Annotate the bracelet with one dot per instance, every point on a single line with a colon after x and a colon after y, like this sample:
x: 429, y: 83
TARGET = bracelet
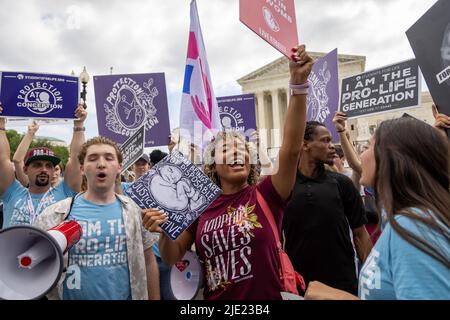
x: 299, y: 89
x: 299, y: 86
x: 79, y: 129
x: 2, y: 129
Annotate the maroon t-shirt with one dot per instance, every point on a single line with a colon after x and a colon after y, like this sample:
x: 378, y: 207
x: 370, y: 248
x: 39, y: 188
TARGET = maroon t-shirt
x: 236, y: 245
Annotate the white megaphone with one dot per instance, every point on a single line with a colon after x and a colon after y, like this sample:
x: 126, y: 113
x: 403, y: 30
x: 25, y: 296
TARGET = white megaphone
x: 186, y: 277
x: 31, y: 259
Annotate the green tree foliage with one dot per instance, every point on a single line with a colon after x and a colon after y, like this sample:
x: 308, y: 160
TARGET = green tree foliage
x: 14, y: 139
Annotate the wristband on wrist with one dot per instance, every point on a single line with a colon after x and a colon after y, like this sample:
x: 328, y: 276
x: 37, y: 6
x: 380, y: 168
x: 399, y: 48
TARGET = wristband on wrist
x: 299, y: 89
x: 79, y: 129
x: 2, y: 130
x: 299, y: 86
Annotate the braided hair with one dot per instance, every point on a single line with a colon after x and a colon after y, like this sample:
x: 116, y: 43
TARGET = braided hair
x: 311, y: 128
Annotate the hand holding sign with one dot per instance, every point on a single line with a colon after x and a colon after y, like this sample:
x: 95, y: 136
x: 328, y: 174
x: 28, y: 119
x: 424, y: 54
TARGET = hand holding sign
x: 153, y: 218
x: 339, y: 121
x: 33, y: 128
x: 442, y: 121
x: 80, y: 114
x: 300, y: 66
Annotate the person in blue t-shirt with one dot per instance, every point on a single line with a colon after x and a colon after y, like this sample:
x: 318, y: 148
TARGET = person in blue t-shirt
x: 113, y: 259
x: 22, y: 205
x: 407, y: 165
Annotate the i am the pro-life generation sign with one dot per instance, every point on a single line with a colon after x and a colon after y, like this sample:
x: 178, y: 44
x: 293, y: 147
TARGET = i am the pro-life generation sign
x: 385, y: 89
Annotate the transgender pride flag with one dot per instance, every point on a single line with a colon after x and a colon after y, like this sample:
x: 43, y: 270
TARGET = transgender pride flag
x: 199, y: 115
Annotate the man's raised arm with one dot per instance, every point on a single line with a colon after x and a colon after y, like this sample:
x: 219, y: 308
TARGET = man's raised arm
x: 72, y: 175
x: 6, y: 168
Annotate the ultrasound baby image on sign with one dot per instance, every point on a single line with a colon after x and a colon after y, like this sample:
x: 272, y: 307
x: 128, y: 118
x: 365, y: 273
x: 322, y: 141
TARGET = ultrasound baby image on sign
x: 127, y: 102
x: 177, y: 187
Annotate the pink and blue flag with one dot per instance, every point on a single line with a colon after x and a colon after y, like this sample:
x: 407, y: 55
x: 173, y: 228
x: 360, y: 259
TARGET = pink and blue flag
x: 199, y: 115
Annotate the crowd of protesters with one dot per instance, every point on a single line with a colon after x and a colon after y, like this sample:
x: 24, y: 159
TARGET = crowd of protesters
x: 378, y: 229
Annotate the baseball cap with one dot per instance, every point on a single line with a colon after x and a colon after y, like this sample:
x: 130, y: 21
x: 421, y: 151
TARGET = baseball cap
x: 144, y: 157
x: 41, y: 154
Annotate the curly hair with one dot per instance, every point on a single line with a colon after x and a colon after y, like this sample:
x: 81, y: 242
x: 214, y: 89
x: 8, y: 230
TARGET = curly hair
x: 209, y: 167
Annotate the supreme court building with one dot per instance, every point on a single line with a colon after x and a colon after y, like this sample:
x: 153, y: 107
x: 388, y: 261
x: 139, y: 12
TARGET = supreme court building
x: 269, y: 84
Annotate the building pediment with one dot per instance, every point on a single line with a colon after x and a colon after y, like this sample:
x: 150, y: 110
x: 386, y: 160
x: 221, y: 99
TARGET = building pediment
x: 281, y: 66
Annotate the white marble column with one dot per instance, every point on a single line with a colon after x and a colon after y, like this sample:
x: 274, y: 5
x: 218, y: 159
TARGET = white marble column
x: 276, y: 108
x: 283, y: 107
x: 276, y: 112
x: 261, y: 120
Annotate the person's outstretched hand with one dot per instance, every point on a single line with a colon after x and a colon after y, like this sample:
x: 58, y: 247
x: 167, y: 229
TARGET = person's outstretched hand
x: 339, y: 120
x: 33, y: 127
x: 442, y: 121
x: 152, y: 219
x: 300, y: 65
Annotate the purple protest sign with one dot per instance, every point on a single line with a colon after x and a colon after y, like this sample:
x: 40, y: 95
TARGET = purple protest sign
x: 323, y: 94
x: 177, y: 187
x: 126, y: 102
x: 237, y: 113
x: 38, y: 95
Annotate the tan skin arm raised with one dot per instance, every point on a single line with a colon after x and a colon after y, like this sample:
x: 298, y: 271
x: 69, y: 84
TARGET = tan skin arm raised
x: 6, y: 168
x: 72, y: 174
x: 294, y: 127
x: 350, y: 153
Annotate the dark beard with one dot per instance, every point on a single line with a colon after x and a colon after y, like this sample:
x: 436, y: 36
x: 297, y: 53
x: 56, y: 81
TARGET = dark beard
x: 42, y: 184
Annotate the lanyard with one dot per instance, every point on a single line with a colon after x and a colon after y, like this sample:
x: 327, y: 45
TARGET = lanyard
x: 35, y: 213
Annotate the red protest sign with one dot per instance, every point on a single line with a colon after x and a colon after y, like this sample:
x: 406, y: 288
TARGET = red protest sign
x: 272, y: 20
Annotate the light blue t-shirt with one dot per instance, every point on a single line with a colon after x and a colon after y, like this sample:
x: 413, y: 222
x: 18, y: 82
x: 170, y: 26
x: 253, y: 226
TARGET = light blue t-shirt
x: 395, y: 269
x: 98, y: 263
x: 16, y: 205
x: 155, y: 248
x: 125, y: 186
